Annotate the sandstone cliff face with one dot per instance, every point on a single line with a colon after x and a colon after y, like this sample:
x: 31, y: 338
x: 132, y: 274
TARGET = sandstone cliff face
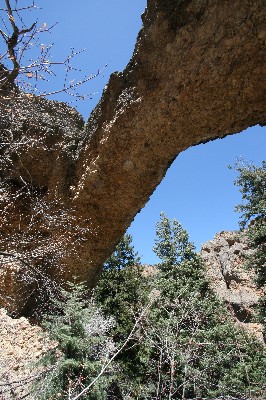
x: 224, y: 258
x: 196, y: 75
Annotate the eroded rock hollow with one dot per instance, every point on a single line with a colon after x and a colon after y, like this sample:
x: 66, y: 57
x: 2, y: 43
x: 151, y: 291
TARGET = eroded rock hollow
x: 197, y: 73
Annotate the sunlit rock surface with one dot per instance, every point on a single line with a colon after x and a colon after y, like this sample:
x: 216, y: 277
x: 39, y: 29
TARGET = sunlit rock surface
x: 197, y: 74
x: 225, y: 258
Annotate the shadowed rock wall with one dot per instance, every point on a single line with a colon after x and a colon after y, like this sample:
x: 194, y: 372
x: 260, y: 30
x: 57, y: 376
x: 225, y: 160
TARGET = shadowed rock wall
x: 197, y: 73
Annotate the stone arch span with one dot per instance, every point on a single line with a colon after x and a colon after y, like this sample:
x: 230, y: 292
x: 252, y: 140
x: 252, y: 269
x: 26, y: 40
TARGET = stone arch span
x: 197, y: 73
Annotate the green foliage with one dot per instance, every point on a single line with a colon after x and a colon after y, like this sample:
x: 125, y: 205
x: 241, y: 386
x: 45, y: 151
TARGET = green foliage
x: 121, y: 293
x: 252, y: 183
x: 172, y: 244
x: 257, y: 241
x: 83, y: 347
x: 186, y: 345
x: 119, y: 288
x: 195, y: 349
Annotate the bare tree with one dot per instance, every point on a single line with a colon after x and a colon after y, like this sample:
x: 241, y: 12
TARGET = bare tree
x: 19, y: 72
x: 25, y: 62
x: 34, y: 248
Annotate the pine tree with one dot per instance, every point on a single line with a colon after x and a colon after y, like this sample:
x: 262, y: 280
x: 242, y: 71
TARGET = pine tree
x: 84, y: 345
x: 195, y: 349
x: 119, y: 288
x: 121, y: 293
x: 252, y: 183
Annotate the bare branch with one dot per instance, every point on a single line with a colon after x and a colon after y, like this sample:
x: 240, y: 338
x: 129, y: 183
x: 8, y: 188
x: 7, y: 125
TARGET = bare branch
x: 17, y: 81
x: 138, y: 320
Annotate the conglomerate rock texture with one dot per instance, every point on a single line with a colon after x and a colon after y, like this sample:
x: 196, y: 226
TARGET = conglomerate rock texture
x: 197, y: 73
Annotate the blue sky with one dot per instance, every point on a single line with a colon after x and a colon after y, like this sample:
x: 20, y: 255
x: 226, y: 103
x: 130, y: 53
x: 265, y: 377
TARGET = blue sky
x: 198, y: 189
x: 105, y: 29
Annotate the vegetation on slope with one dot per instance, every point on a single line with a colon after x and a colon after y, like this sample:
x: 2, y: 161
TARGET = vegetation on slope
x: 165, y: 335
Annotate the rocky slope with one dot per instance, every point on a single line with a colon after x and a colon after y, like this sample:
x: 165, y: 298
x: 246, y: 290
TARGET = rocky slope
x: 224, y: 258
x: 21, y: 346
x: 196, y: 75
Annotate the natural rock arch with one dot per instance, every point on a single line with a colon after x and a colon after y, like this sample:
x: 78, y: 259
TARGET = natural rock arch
x: 197, y: 73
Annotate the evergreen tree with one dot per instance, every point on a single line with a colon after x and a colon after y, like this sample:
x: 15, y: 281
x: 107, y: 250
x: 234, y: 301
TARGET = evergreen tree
x: 84, y: 346
x: 119, y: 290
x: 172, y: 244
x: 252, y: 183
x: 121, y: 293
x: 186, y: 344
x: 195, y: 349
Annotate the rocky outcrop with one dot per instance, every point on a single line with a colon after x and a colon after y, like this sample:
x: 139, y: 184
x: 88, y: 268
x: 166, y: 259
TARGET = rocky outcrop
x: 225, y: 258
x: 21, y: 346
x: 196, y: 75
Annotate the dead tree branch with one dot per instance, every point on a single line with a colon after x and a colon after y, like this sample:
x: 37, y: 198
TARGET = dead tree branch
x: 20, y: 73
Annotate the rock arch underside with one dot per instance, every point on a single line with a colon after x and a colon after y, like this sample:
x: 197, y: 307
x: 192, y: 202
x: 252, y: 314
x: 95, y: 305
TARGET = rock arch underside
x: 197, y: 74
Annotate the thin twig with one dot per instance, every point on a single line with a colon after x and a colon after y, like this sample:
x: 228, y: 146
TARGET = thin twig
x: 87, y: 388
